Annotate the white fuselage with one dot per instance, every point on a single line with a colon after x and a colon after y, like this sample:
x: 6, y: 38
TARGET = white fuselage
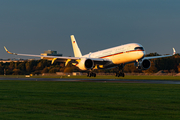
x: 120, y: 54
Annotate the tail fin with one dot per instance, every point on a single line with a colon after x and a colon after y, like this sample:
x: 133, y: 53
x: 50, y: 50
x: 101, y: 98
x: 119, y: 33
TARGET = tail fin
x: 77, y: 52
x: 174, y: 51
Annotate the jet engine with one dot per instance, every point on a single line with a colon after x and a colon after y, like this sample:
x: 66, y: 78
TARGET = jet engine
x: 85, y: 64
x: 143, y: 64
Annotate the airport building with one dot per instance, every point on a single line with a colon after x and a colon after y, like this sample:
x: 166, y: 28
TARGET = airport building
x: 51, y: 53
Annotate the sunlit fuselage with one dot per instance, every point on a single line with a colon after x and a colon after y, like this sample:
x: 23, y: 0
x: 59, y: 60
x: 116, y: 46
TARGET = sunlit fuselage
x: 120, y: 54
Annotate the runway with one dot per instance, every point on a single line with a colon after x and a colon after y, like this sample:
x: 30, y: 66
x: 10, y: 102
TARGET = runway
x: 97, y: 80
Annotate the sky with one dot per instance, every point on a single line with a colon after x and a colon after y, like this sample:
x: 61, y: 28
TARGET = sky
x: 34, y: 26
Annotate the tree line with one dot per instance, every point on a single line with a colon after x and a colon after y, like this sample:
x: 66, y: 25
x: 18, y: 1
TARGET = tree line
x: 168, y: 64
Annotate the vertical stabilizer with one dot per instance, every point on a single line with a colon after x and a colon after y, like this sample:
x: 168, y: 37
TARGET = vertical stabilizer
x: 77, y: 52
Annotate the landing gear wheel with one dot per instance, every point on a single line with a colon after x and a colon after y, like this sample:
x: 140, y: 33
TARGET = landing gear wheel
x: 121, y: 74
x: 91, y: 74
x: 94, y: 74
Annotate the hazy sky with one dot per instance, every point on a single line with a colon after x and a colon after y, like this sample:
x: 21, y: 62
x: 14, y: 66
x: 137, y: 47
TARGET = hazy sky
x: 34, y: 26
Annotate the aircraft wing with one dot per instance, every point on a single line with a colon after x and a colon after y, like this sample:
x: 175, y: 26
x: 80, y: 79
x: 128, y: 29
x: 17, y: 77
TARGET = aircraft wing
x: 61, y: 59
x: 153, y: 57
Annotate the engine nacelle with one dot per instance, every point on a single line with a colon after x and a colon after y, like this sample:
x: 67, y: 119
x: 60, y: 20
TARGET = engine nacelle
x: 143, y: 64
x: 85, y: 64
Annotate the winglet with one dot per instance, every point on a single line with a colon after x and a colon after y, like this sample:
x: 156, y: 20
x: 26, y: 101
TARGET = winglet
x: 174, y: 51
x: 9, y: 52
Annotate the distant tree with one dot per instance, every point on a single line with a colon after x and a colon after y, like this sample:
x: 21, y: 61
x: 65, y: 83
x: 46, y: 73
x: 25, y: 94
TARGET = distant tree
x: 62, y: 69
x: 130, y: 68
x: 152, y: 54
x: 11, y: 66
x: 68, y: 70
x: 36, y: 72
x: 21, y: 66
x: 28, y: 67
x: 16, y: 71
x: 53, y: 70
x: 178, y: 68
x: 31, y: 66
x: 62, y: 65
x: 45, y: 70
x: 9, y: 72
x: 1, y: 69
x: 16, y: 64
x: 40, y: 66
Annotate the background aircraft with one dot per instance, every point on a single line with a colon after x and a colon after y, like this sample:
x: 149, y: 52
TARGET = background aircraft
x: 109, y: 58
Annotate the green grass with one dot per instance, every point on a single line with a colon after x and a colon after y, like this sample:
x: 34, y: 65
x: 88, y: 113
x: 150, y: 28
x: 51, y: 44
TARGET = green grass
x: 87, y: 100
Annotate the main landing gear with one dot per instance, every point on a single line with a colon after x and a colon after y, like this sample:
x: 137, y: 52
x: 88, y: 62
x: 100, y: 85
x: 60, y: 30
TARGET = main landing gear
x: 120, y: 72
x: 91, y: 74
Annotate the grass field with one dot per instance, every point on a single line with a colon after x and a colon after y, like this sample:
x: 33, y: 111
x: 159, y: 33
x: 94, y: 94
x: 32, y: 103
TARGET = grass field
x: 87, y: 100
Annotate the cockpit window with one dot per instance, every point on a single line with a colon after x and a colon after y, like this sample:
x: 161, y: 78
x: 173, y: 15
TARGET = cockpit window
x: 138, y: 48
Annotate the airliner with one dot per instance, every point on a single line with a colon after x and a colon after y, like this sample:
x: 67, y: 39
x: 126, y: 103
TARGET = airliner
x: 104, y: 59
